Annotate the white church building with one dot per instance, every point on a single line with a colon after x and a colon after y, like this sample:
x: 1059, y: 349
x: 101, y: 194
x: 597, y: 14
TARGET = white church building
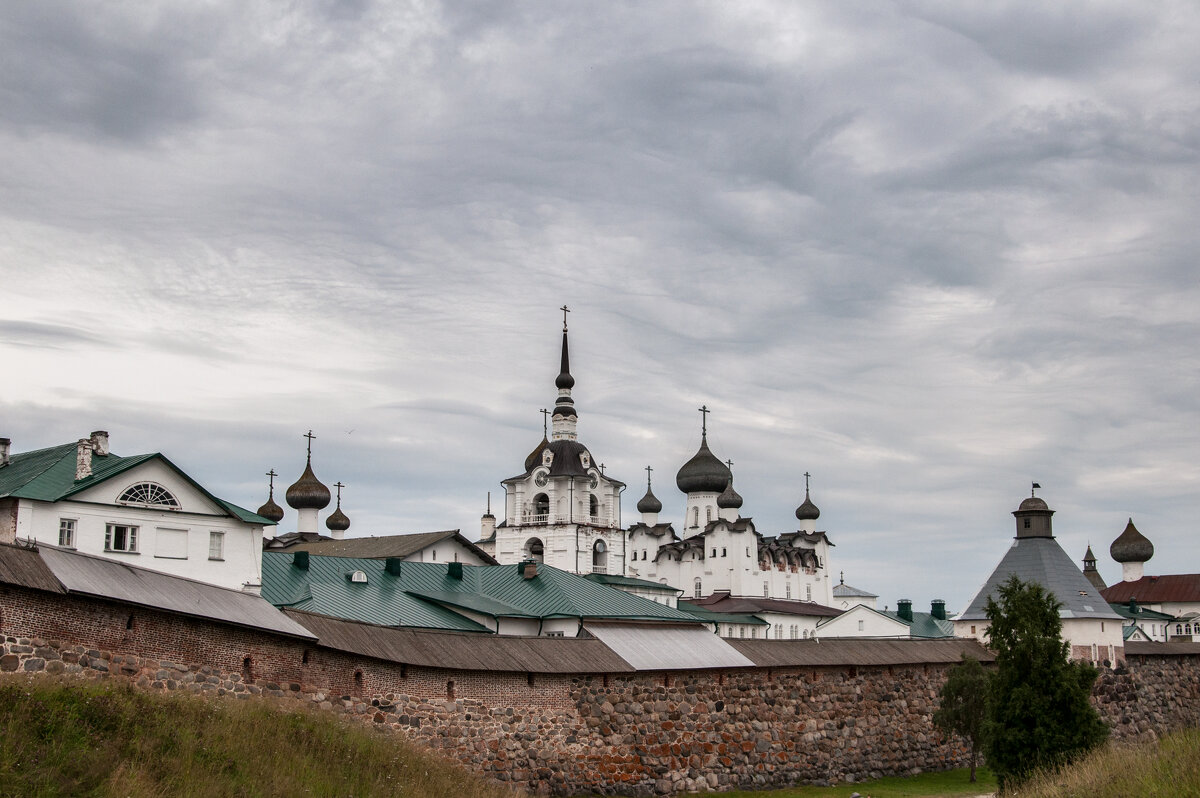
x: 565, y: 511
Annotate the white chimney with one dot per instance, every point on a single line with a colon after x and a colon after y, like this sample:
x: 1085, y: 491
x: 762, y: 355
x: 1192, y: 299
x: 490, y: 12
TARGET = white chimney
x: 83, y: 459
x: 4, y: 444
x: 100, y: 442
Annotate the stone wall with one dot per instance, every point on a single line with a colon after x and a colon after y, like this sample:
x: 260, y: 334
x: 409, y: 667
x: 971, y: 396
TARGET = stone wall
x: 630, y: 734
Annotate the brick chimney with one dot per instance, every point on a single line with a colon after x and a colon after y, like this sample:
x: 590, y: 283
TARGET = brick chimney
x: 100, y: 442
x: 83, y: 459
x: 529, y: 569
x: 5, y: 443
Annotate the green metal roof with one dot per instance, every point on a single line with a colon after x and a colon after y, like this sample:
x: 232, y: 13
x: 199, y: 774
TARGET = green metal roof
x: 1140, y: 614
x: 48, y: 475
x: 629, y: 581
x: 424, y: 594
x: 924, y: 624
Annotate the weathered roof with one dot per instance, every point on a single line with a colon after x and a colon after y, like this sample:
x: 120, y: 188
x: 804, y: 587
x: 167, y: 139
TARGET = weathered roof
x: 721, y: 617
x: 924, y: 625
x: 463, y: 651
x: 387, y: 545
x: 629, y: 581
x: 1172, y: 649
x: 422, y: 593
x: 49, y: 475
x: 846, y: 591
x: 721, y: 601
x: 848, y: 651
x: 118, y: 581
x: 1155, y: 589
x: 651, y: 648
x: 21, y: 565
x: 1042, y: 560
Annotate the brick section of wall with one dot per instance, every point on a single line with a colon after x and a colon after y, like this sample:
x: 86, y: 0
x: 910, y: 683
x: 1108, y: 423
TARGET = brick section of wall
x: 638, y: 734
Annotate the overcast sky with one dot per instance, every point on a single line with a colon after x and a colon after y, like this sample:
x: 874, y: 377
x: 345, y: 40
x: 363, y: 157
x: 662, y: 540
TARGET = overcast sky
x: 929, y: 252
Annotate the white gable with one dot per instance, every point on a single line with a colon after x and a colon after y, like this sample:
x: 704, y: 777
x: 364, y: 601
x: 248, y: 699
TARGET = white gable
x: 154, y: 472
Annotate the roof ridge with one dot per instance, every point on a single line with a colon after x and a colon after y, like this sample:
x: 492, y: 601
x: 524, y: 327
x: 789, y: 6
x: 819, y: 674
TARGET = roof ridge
x: 14, y: 461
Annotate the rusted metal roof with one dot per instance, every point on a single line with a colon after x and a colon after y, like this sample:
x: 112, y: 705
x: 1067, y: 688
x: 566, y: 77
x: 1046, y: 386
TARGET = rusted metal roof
x: 463, y: 650
x: 659, y: 647
x: 1155, y: 589
x: 1162, y: 649
x: 812, y: 653
x: 24, y: 566
x: 118, y: 581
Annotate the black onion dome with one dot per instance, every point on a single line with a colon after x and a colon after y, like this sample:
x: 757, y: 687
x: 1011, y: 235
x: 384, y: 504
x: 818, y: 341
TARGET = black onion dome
x: 535, y: 456
x: 704, y: 473
x: 729, y: 499
x: 649, y: 503
x: 307, y: 493
x: 1033, y: 503
x: 271, y: 510
x: 807, y: 511
x: 337, y: 521
x: 1131, y: 546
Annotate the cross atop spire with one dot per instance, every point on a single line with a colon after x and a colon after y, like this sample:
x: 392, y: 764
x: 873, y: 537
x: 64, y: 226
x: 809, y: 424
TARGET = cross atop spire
x: 272, y: 476
x: 310, y: 437
x: 806, y: 476
x: 648, y: 470
x: 545, y: 415
x: 565, y: 311
x: 602, y: 469
x: 339, y: 487
x: 730, y: 464
x: 704, y: 411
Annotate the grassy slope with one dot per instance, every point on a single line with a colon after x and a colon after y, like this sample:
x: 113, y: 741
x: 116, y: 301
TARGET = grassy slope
x: 105, y: 739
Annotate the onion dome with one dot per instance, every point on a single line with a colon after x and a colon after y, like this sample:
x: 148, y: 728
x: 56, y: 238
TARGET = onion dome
x: 649, y: 503
x: 729, y: 498
x: 807, y: 511
x: 1131, y: 546
x: 704, y: 473
x: 307, y: 493
x: 337, y: 520
x: 271, y: 511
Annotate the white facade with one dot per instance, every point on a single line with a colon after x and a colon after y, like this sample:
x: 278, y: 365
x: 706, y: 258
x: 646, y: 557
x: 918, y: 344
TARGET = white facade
x: 863, y: 621
x: 194, y: 538
x: 1092, y: 639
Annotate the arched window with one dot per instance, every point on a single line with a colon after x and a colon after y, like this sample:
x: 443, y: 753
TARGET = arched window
x: 708, y: 514
x: 148, y: 494
x: 600, y: 557
x: 593, y: 506
x: 633, y: 557
x: 535, y: 550
x: 699, y: 589
x: 695, y: 516
x: 541, y: 508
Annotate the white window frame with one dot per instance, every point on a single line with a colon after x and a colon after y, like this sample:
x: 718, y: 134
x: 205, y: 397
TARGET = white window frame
x: 71, y: 527
x: 216, y: 542
x: 130, y: 533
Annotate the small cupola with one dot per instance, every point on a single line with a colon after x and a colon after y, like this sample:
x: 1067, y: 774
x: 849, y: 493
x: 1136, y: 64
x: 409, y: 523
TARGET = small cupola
x: 271, y: 511
x: 1033, y: 517
x: 337, y: 523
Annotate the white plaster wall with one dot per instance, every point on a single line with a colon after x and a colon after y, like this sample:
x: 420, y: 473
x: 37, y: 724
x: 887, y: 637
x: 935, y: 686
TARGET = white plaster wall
x: 874, y: 625
x: 93, y: 509
x: 449, y: 550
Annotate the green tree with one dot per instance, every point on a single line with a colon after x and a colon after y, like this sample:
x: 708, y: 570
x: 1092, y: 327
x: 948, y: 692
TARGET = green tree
x: 964, y: 705
x: 1040, y: 715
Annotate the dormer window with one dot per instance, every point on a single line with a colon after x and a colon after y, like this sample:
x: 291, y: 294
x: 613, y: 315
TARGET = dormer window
x: 149, y: 494
x: 359, y: 577
x: 585, y: 459
x: 547, y: 456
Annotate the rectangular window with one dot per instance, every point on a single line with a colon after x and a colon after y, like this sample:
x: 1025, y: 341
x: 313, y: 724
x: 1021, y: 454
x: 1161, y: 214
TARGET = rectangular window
x: 119, y: 537
x: 860, y: 626
x: 66, y: 532
x: 171, y: 544
x: 766, y: 590
x: 216, y: 545
x: 808, y: 591
x: 789, y: 589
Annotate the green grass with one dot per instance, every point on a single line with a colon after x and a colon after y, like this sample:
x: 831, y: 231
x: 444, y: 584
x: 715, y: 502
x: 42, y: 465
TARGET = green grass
x: 927, y: 785
x: 1171, y: 767
x: 107, y: 739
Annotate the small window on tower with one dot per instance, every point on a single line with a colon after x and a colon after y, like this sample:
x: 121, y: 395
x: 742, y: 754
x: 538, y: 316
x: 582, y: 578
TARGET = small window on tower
x: 1027, y: 523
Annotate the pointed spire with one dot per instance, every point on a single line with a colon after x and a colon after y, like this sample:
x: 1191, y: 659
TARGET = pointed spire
x: 271, y: 510
x: 564, y: 416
